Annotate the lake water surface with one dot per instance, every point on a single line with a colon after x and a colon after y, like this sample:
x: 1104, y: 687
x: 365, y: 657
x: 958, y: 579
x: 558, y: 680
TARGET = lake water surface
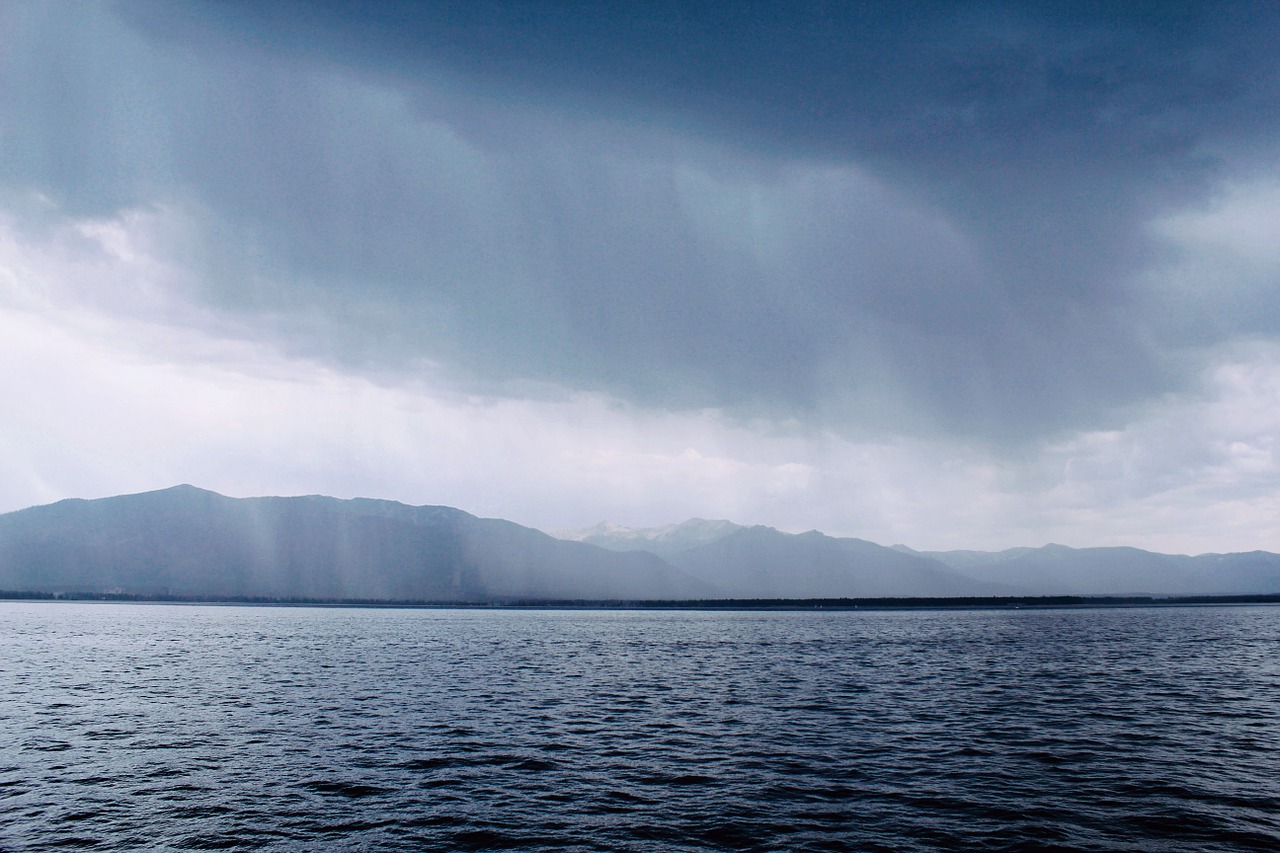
x: 196, y: 727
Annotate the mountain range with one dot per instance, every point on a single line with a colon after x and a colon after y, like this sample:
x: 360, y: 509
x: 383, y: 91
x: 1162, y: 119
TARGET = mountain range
x: 188, y: 542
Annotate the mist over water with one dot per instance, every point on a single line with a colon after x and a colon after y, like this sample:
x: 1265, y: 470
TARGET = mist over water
x: 195, y: 727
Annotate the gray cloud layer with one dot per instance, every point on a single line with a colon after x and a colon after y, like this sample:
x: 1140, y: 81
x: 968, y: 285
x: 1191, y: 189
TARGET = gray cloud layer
x: 864, y: 218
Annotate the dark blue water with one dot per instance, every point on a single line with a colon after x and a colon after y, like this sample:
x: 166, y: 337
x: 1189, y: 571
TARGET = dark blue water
x: 183, y: 727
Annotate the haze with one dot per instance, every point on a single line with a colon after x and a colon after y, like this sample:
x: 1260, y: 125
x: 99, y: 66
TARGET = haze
x: 963, y: 276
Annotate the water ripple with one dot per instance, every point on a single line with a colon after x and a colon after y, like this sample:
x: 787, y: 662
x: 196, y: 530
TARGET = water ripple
x: 171, y: 727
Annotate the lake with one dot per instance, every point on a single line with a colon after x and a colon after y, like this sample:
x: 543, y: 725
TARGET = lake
x: 204, y: 727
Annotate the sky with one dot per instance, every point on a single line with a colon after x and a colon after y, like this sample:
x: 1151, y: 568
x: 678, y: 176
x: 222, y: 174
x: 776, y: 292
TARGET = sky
x: 974, y: 275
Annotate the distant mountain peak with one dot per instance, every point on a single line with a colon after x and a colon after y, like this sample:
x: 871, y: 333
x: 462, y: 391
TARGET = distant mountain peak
x: 191, y: 542
x: 602, y: 529
x: 188, y: 541
x: 663, y: 541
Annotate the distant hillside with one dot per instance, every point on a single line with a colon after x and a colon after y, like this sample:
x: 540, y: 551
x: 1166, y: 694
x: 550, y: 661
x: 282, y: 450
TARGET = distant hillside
x: 1057, y: 570
x: 188, y: 542
x: 761, y: 562
x: 663, y: 541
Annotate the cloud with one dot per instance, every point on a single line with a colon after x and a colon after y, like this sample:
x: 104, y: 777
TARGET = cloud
x: 961, y: 264
x: 120, y: 394
x: 1194, y: 473
x: 140, y: 391
x: 911, y: 277
x: 1223, y: 263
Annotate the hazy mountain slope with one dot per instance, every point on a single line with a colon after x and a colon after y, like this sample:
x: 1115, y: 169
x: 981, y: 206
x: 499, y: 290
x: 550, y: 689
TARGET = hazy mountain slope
x: 1248, y: 572
x: 663, y: 541
x: 963, y: 559
x: 186, y: 541
x: 1057, y: 569
x: 760, y: 562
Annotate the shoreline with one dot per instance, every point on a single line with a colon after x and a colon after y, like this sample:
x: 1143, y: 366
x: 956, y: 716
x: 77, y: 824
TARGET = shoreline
x: 726, y: 604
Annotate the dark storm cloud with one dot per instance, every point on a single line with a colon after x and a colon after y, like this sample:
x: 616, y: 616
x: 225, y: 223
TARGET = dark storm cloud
x: 918, y: 216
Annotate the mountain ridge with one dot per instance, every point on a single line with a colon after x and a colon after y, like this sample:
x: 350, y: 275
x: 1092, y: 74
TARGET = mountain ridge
x: 190, y: 541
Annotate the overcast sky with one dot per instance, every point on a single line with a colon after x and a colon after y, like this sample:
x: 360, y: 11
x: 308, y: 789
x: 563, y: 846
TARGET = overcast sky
x: 957, y: 275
